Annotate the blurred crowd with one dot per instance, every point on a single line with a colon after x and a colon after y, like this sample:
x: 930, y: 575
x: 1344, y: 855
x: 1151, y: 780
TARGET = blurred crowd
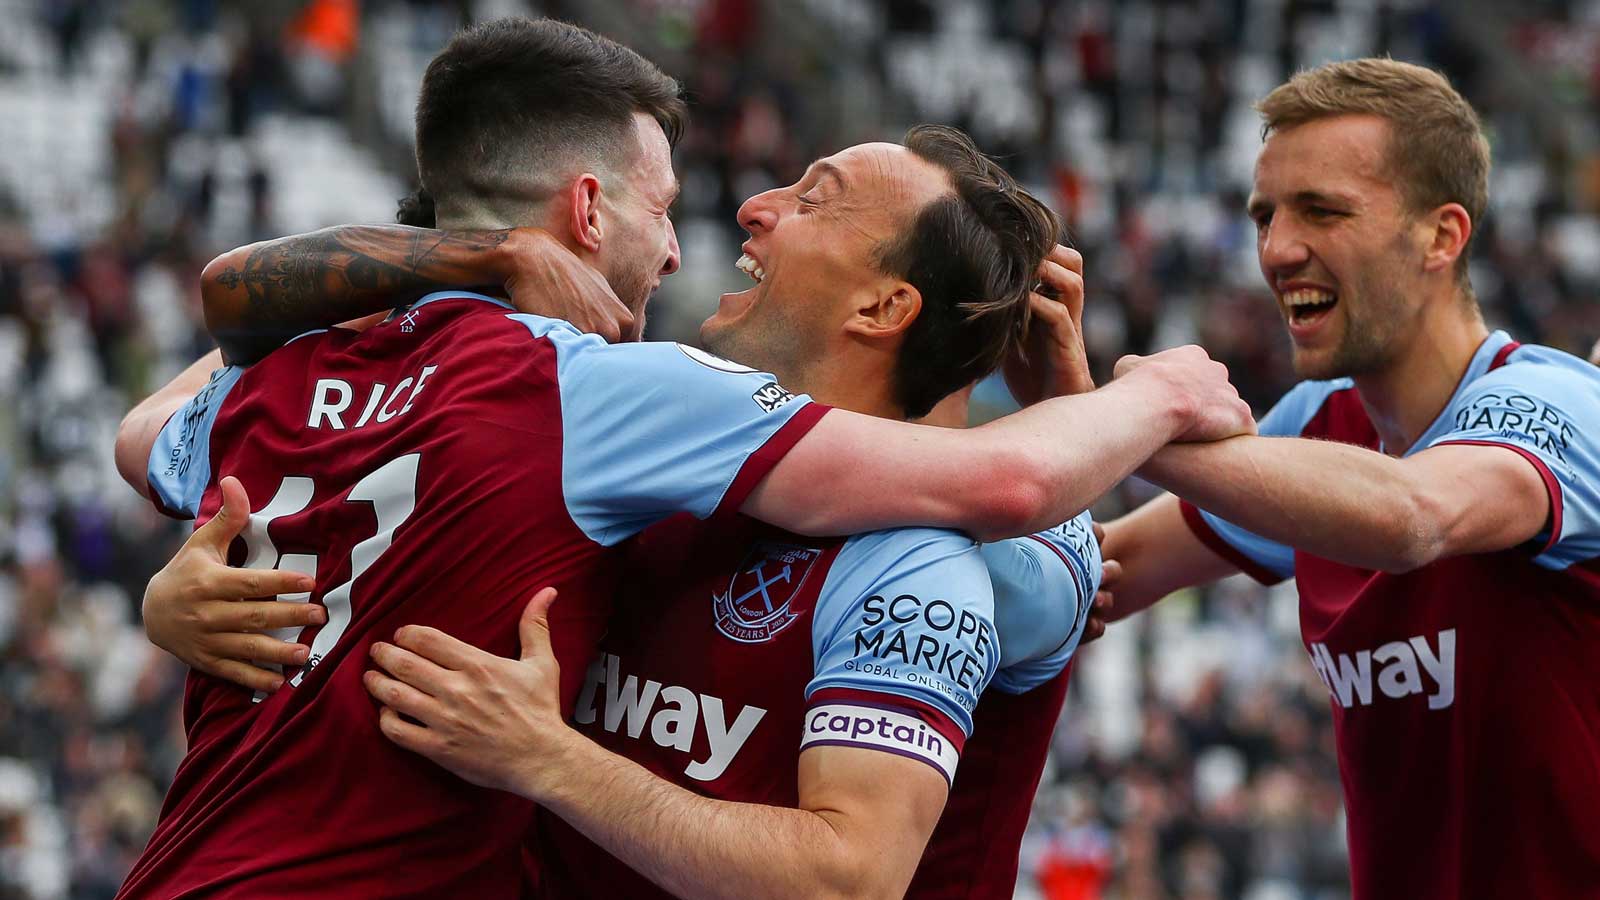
x: 1195, y: 757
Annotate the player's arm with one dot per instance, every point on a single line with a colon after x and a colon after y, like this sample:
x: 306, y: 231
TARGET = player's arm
x: 497, y: 722
x: 259, y: 296
x: 137, y: 433
x: 1017, y: 475
x: 1158, y: 553
x: 1360, y: 507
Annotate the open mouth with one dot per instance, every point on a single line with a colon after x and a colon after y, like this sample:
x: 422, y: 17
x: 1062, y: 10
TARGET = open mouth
x: 1307, y: 306
x: 748, y: 265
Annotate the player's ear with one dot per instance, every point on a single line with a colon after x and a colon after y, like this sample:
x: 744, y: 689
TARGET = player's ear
x: 889, y: 312
x: 584, y: 216
x: 1452, y: 227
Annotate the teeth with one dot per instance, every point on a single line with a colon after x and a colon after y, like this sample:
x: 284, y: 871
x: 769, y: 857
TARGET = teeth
x: 752, y: 268
x: 1307, y: 297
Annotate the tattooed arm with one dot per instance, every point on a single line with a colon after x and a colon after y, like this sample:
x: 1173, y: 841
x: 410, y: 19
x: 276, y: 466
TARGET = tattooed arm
x: 258, y: 297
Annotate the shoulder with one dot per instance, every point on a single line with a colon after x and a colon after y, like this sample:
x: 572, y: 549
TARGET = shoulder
x: 1533, y: 370
x: 927, y: 554
x: 1326, y: 409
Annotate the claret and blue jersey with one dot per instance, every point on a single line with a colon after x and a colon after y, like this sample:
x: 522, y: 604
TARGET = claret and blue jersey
x: 736, y: 647
x: 1465, y: 698
x: 437, y: 469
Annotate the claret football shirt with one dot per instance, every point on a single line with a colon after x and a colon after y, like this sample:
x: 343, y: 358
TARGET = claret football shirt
x: 436, y: 469
x: 1465, y: 694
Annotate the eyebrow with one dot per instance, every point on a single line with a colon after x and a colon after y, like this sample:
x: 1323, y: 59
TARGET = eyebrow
x: 1257, y: 205
x: 825, y: 169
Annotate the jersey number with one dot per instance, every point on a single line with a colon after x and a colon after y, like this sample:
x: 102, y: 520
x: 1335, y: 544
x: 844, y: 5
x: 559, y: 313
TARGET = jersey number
x: 392, y: 491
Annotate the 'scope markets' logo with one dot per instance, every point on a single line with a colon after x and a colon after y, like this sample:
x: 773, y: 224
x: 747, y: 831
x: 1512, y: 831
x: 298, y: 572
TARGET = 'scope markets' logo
x: 1521, y: 415
x: 758, y: 601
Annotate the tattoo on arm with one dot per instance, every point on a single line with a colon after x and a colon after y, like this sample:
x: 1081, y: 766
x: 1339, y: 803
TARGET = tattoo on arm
x: 347, y: 272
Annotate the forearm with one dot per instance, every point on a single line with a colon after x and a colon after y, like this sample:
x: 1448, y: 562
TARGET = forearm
x: 695, y: 846
x: 1336, y: 501
x: 137, y: 433
x: 1064, y: 454
x: 259, y: 296
x: 1158, y: 554
x: 1024, y: 473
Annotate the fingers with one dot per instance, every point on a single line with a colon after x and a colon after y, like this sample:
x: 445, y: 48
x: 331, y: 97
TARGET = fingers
x: 1099, y: 532
x: 609, y: 327
x: 440, y: 649
x: 414, y: 670
x: 402, y: 697
x: 535, y: 625
x: 1110, y: 572
x: 230, y: 583
x: 256, y: 615
x: 243, y: 674
x: 1067, y: 258
x: 259, y: 648
x: 1053, y: 313
x: 1099, y: 614
x: 412, y: 737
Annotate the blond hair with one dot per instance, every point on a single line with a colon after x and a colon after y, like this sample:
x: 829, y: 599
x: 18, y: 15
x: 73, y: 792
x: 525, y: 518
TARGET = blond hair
x: 1437, y: 151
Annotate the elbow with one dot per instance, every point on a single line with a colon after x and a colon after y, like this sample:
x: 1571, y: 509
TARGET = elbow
x: 129, y: 441
x: 1422, y: 536
x: 220, y: 302
x: 1010, y: 498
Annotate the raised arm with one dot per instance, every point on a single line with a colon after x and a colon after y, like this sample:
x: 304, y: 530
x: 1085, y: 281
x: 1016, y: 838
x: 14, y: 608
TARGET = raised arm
x: 1023, y: 473
x: 259, y: 296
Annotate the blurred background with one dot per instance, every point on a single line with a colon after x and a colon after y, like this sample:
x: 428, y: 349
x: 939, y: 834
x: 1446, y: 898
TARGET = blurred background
x: 1195, y: 759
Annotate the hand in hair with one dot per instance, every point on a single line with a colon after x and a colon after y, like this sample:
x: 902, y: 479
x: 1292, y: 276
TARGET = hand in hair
x: 547, y: 279
x: 1052, y: 361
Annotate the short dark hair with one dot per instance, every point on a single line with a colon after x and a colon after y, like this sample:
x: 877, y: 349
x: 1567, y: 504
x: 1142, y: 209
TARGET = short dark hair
x: 973, y: 255
x: 515, y: 94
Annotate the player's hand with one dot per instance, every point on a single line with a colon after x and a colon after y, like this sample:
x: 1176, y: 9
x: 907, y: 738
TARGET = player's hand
x: 495, y: 722
x: 547, y: 279
x: 1104, y: 598
x: 193, y: 607
x: 1053, y: 361
x: 1215, y: 409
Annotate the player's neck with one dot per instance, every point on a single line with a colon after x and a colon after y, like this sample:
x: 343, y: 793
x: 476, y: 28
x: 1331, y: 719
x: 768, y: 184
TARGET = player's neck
x: 850, y: 379
x: 1405, y: 398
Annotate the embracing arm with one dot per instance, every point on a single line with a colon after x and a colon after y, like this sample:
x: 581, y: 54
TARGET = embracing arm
x: 851, y: 837
x: 1023, y: 473
x: 1360, y: 507
x: 137, y: 433
x: 259, y: 296
x: 1158, y: 554
x: 497, y: 722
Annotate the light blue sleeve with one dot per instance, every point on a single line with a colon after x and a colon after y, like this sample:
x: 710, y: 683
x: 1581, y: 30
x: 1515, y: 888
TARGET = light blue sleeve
x: 1287, y: 418
x: 180, y: 461
x: 1548, y: 410
x: 651, y: 429
x: 904, y: 624
x: 1044, y: 585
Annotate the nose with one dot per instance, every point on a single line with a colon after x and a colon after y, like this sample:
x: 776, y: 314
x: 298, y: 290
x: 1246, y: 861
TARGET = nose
x: 759, y: 213
x: 674, y: 258
x: 1282, y: 248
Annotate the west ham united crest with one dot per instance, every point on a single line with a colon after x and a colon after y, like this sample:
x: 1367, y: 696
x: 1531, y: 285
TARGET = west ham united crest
x: 755, y: 606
